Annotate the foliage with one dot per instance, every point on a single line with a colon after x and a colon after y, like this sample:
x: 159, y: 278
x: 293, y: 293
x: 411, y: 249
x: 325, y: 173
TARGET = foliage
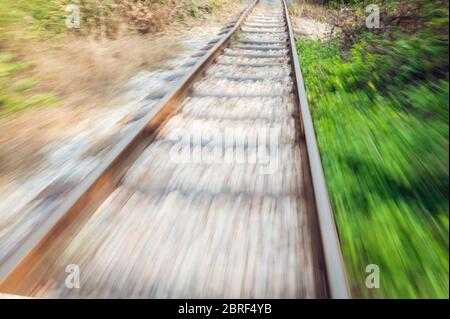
x: 381, y: 119
x: 24, y: 22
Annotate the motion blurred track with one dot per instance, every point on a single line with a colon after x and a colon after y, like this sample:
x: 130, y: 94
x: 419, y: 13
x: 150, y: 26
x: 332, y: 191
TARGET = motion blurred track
x: 146, y: 226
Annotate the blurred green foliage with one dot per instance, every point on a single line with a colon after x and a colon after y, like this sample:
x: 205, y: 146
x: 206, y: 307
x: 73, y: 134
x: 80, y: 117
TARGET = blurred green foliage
x: 381, y: 119
x: 25, y: 22
x: 22, y: 21
x: 13, y: 94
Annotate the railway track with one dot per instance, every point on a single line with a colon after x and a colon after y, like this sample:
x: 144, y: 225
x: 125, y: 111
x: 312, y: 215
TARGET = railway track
x: 154, y: 222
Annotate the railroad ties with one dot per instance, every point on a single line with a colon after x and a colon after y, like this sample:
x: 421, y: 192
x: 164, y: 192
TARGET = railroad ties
x: 181, y: 226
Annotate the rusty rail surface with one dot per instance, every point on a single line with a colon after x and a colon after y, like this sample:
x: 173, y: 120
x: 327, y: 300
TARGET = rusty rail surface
x: 337, y: 280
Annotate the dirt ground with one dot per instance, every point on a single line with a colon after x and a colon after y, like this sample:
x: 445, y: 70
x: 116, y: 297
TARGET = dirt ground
x: 312, y: 28
x: 91, y: 76
x: 312, y: 21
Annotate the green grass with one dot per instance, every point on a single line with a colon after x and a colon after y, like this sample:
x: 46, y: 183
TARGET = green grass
x: 22, y: 21
x: 15, y: 93
x: 381, y: 119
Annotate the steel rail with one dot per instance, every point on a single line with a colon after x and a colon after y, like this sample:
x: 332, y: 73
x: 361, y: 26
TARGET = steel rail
x: 336, y: 276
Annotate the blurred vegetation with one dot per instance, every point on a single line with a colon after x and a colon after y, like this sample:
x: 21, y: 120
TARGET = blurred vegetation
x: 380, y: 109
x: 26, y: 24
x: 22, y: 21
x: 14, y: 95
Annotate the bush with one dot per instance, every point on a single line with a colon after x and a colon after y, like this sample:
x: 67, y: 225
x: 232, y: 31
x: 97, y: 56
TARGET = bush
x: 381, y: 119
